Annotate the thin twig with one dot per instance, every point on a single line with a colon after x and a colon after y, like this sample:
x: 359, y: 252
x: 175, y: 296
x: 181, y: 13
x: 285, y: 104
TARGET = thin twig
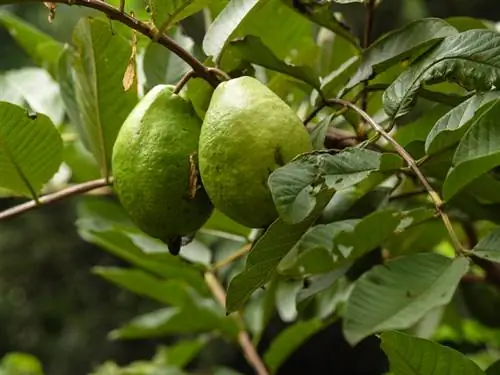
x: 246, y: 344
x: 183, y: 81
x: 370, y: 13
x: 231, y: 258
x: 146, y: 29
x: 436, y: 199
x: 49, y: 198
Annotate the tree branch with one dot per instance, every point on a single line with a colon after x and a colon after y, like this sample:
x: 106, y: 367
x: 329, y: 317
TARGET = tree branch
x: 436, y: 199
x: 49, y: 198
x: 146, y: 29
x: 246, y: 345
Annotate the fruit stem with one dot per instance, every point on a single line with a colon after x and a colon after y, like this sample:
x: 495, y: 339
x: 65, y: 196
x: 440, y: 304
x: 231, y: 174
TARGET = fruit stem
x: 184, y: 80
x: 251, y: 354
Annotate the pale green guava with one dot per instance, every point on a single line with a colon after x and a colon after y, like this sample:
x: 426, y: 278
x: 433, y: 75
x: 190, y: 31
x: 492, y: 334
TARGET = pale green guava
x: 153, y: 170
x: 247, y: 133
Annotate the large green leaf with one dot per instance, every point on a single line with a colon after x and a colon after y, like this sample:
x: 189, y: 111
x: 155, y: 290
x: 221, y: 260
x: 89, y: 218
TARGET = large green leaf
x: 168, y: 292
x: 99, y: 63
x: 489, y: 246
x: 251, y: 49
x: 181, y: 353
x: 42, y: 48
x: 326, y: 247
x: 20, y: 364
x: 224, y: 26
x: 397, y: 294
x: 401, y: 44
x: 415, y: 356
x: 261, y: 263
x: 167, y: 13
x: 320, y: 12
x: 290, y: 340
x: 477, y: 152
x: 452, y: 126
x: 192, y: 318
x: 471, y: 59
x: 30, y: 150
x: 294, y: 186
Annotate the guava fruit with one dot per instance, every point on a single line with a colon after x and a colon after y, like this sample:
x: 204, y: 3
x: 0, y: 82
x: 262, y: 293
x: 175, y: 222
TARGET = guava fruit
x: 247, y: 132
x: 154, y: 166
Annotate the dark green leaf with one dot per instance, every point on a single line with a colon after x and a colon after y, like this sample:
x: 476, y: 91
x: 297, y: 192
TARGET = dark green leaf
x: 318, y: 133
x: 320, y: 13
x: 489, y: 246
x: 294, y: 186
x: 251, y: 49
x: 397, y: 294
x: 42, y: 48
x: 99, y: 63
x: 477, y: 152
x: 401, y: 44
x: 412, y: 355
x: 30, y: 150
x: 290, y: 340
x: 452, y: 126
x: 261, y: 263
x: 470, y: 59
x: 494, y: 369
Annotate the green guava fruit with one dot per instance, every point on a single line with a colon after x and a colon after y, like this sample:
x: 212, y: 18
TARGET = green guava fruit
x: 247, y: 133
x: 154, y: 166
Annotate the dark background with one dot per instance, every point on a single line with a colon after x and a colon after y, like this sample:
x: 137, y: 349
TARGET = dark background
x: 53, y: 307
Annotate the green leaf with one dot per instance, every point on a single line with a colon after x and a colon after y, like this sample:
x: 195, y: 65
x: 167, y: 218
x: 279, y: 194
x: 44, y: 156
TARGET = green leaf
x: 470, y: 59
x: 489, y: 246
x: 199, y: 93
x: 494, y: 369
x: 181, y: 353
x: 99, y: 63
x: 42, y: 48
x: 401, y: 44
x: 412, y: 355
x: 452, y: 126
x: 294, y: 186
x: 167, y: 13
x: 477, y: 152
x: 193, y: 318
x: 168, y: 292
x: 251, y: 49
x: 397, y: 294
x: 338, y: 78
x: 318, y: 133
x: 327, y: 247
x: 30, y: 150
x: 261, y: 263
x: 224, y: 26
x: 162, y: 66
x: 286, y: 294
x: 36, y: 88
x: 290, y: 340
x: 320, y: 13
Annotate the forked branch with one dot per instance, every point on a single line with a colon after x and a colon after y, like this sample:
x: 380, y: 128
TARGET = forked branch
x: 436, y: 199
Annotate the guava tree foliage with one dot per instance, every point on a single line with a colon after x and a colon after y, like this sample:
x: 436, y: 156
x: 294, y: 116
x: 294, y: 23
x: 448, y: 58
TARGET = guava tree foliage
x: 391, y: 225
